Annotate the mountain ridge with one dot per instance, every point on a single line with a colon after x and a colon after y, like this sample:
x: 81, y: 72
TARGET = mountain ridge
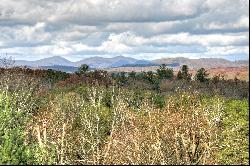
x: 122, y: 61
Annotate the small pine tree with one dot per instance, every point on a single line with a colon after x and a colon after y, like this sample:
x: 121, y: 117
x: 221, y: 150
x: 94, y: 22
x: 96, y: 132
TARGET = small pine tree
x: 164, y: 72
x: 202, y: 75
x: 83, y: 69
x: 122, y: 79
x: 132, y: 74
x: 184, y: 74
x: 179, y: 75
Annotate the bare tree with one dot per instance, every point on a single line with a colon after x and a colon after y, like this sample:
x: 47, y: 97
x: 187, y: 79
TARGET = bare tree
x: 7, y: 62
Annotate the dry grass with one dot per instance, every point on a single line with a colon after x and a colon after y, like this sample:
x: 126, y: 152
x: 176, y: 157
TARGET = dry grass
x: 183, y: 133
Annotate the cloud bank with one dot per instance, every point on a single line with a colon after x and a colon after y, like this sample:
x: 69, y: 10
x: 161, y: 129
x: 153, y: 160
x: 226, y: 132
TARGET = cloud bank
x: 76, y: 29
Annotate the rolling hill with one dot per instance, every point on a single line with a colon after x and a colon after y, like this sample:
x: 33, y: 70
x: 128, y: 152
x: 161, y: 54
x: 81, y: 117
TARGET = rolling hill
x: 100, y: 62
x: 202, y: 62
x: 58, y: 62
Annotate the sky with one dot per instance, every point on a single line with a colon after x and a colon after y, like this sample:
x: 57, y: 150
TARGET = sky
x: 142, y: 29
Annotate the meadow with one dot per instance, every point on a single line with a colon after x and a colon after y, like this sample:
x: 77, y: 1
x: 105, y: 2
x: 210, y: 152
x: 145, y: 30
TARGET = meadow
x: 97, y: 117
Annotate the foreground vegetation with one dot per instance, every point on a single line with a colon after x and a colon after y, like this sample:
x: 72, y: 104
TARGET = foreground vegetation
x: 93, y: 117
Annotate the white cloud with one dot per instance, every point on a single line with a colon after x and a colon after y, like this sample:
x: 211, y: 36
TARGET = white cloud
x: 243, y: 22
x: 132, y: 39
x: 228, y: 50
x: 114, y: 27
x: 114, y: 46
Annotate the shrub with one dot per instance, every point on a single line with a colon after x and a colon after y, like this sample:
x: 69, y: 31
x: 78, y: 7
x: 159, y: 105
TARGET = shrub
x: 13, y: 148
x: 234, y: 137
x: 89, y: 122
x: 183, y: 132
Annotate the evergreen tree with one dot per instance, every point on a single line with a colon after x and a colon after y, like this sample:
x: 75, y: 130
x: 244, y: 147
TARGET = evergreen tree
x: 202, y: 75
x: 132, y: 74
x: 83, y: 69
x: 184, y: 74
x: 164, y: 72
x: 179, y: 75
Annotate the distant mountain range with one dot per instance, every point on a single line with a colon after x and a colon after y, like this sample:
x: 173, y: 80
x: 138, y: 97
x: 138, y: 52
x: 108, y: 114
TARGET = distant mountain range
x: 68, y: 69
x: 59, y: 63
x: 203, y: 62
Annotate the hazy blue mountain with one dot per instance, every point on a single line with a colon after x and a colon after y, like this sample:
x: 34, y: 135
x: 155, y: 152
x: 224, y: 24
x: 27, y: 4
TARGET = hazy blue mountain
x: 51, y: 61
x: 140, y: 63
x: 68, y: 69
x: 100, y: 62
x: 143, y: 62
x: 121, y: 61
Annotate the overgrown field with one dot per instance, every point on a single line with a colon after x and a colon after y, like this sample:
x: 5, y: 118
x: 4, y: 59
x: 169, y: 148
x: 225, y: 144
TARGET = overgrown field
x: 50, y: 117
